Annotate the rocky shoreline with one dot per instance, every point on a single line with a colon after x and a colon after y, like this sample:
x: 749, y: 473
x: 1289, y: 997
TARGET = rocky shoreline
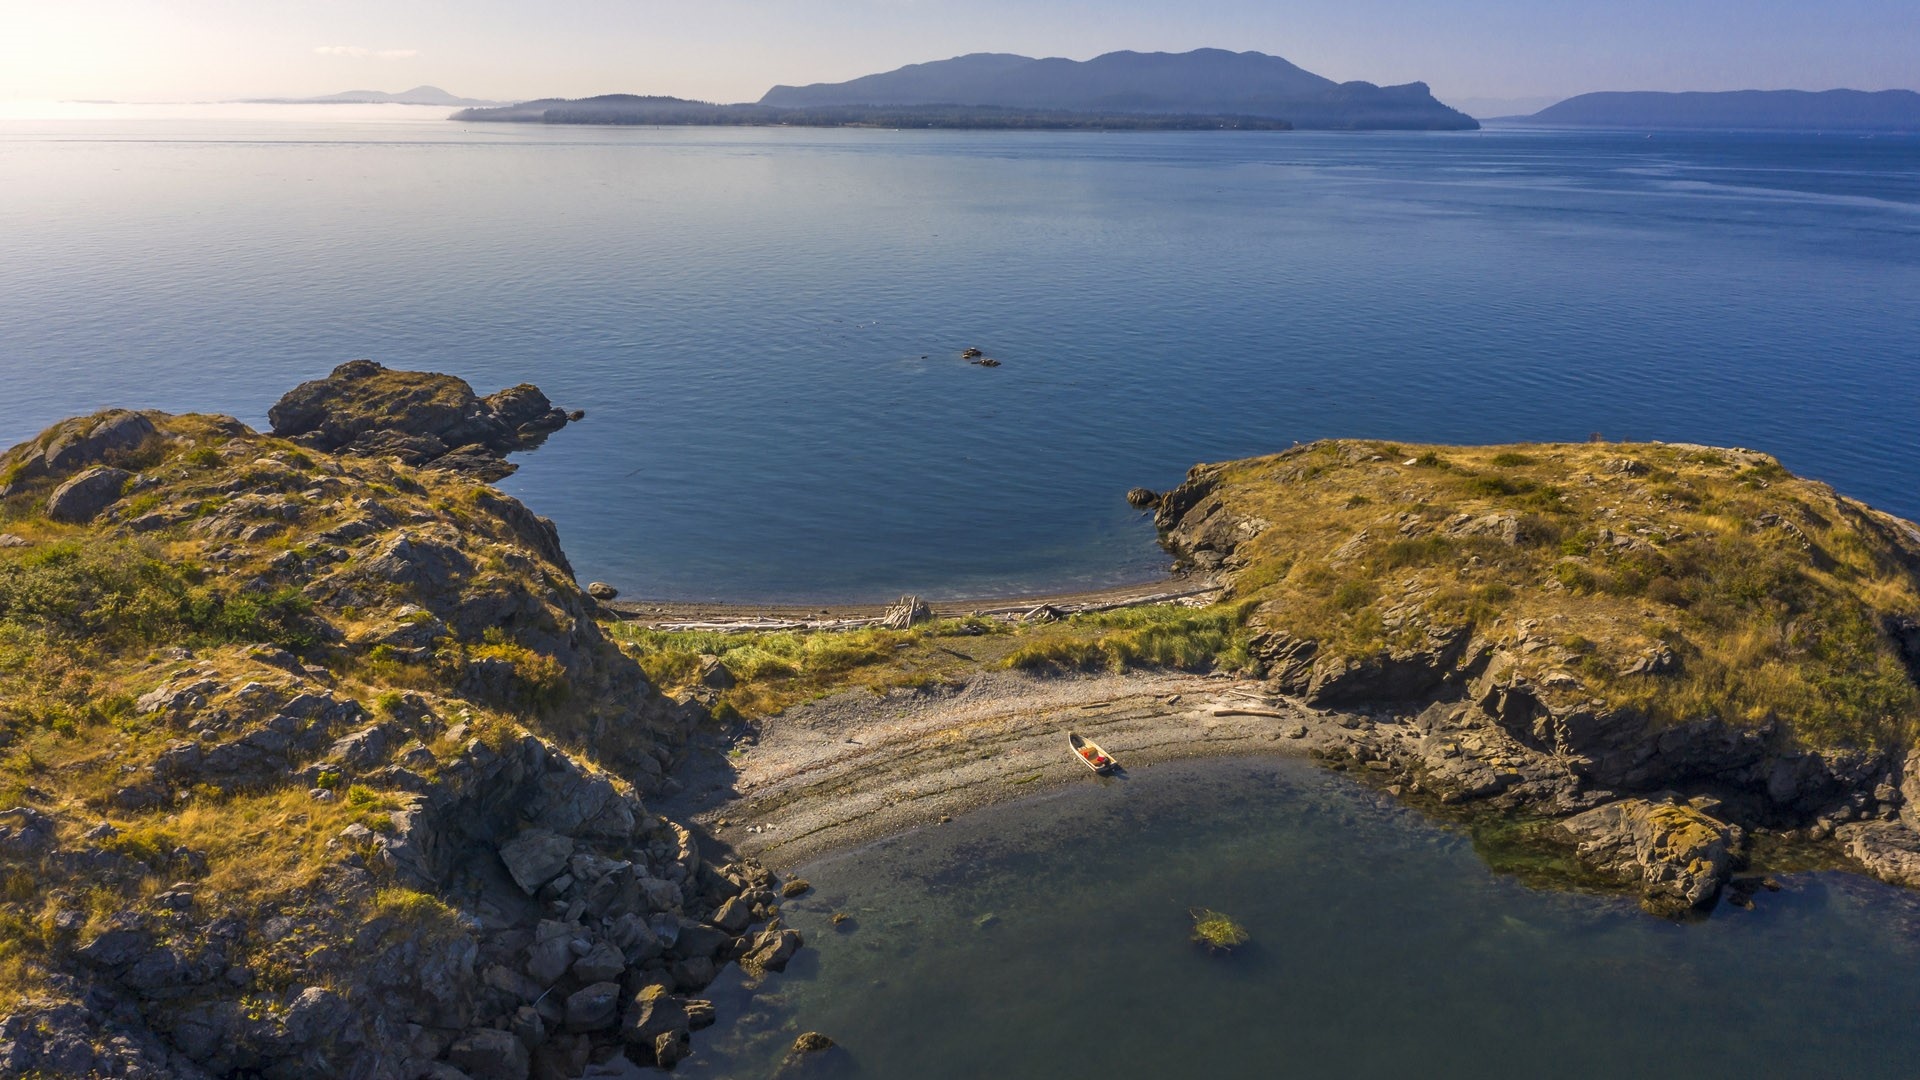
x: 1665, y: 807
x: 362, y: 787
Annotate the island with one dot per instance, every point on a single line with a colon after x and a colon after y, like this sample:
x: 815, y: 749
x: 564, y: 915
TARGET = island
x: 1201, y: 89
x: 316, y: 759
x: 1739, y: 110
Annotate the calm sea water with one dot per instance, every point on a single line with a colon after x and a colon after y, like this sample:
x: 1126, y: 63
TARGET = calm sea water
x: 764, y: 325
x: 1049, y: 939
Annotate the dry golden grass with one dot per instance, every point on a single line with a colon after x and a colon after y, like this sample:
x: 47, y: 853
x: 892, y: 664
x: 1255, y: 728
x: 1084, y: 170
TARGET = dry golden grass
x: 1772, y: 590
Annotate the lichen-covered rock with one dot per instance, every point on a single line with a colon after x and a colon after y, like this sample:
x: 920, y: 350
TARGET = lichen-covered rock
x: 1678, y: 855
x: 82, y: 498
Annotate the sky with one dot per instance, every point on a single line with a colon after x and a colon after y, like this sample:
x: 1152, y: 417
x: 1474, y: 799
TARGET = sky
x: 733, y: 50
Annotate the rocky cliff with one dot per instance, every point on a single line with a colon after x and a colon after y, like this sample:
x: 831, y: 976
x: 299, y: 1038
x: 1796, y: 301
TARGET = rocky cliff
x: 1672, y: 648
x: 317, y: 764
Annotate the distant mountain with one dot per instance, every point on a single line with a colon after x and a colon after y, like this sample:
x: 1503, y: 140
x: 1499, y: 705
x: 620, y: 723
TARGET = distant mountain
x: 635, y: 109
x: 1210, y: 81
x: 1790, y: 110
x: 419, y: 95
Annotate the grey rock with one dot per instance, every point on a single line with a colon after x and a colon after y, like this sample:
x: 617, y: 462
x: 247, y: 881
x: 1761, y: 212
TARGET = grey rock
x: 600, y: 590
x: 81, y: 499
x: 733, y: 916
x: 25, y: 832
x: 700, y: 940
x: 771, y: 951
x: 594, y: 1008
x: 1889, y: 849
x: 713, y: 674
x: 317, y: 1016
x: 535, y: 857
x: 602, y: 963
x: 115, y: 432
x: 490, y: 1054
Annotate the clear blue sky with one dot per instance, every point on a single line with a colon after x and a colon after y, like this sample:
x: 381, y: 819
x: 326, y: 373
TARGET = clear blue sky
x: 732, y: 50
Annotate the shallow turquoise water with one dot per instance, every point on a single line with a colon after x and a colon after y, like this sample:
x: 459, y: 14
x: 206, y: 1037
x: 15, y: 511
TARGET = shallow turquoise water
x: 745, y: 313
x: 1048, y: 939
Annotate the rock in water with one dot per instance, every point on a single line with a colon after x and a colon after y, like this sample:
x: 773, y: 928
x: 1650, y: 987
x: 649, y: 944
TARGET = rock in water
x: 812, y: 1054
x: 422, y: 418
x: 1143, y: 498
x: 1680, y: 856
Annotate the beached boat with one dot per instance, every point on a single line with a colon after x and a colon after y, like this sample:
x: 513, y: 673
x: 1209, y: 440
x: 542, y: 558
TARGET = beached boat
x: 1090, y: 754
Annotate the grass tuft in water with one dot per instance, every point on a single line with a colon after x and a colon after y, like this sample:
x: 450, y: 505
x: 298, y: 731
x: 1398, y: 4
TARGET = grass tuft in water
x: 1217, y: 933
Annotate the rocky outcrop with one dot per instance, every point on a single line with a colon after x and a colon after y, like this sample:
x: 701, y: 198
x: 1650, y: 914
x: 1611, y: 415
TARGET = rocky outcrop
x: 398, y: 655
x: 116, y: 437
x: 1677, y: 855
x: 419, y: 418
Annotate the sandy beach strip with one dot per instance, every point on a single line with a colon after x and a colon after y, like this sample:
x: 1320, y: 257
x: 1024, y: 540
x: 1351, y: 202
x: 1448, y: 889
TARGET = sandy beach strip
x: 859, y: 766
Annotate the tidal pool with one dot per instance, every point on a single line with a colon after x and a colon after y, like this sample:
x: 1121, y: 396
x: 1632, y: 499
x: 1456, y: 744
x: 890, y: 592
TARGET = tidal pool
x: 1049, y: 938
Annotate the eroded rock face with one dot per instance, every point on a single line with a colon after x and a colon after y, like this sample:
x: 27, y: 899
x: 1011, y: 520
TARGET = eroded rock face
x: 1678, y: 855
x: 417, y: 417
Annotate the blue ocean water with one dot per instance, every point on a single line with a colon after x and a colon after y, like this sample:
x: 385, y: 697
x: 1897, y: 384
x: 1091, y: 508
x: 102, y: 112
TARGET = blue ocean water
x: 765, y: 325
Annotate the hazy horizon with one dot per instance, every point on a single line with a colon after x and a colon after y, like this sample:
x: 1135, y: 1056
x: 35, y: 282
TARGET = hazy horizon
x: 1496, y: 51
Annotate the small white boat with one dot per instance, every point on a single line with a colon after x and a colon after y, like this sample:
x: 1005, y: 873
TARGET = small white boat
x: 1090, y: 754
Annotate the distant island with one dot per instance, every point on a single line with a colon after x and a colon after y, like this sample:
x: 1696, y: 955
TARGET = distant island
x: 419, y: 95
x: 1202, y: 81
x: 1763, y: 110
x: 633, y: 109
x: 1202, y: 89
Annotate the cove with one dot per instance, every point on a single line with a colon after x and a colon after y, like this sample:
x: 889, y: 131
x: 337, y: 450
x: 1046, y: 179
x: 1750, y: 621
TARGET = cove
x: 1048, y: 938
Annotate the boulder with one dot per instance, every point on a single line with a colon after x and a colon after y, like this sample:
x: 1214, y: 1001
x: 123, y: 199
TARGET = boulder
x: 535, y: 857
x: 81, y: 499
x: 490, y: 1054
x: 653, y: 1012
x: 812, y: 1054
x: 594, y: 1008
x: 600, y: 590
x: 771, y: 951
x: 713, y: 674
x: 601, y: 964
x: 733, y: 916
x: 1143, y: 498
x: 1678, y: 855
x: 25, y: 832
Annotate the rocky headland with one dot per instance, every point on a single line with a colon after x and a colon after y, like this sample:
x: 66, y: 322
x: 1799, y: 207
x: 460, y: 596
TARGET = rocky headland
x: 315, y: 762
x: 1665, y: 651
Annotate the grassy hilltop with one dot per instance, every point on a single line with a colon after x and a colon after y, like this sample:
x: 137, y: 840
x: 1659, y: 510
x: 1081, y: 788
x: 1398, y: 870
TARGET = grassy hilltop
x: 1682, y: 581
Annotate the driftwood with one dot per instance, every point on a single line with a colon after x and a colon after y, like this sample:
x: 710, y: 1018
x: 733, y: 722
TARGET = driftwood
x: 923, y: 612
